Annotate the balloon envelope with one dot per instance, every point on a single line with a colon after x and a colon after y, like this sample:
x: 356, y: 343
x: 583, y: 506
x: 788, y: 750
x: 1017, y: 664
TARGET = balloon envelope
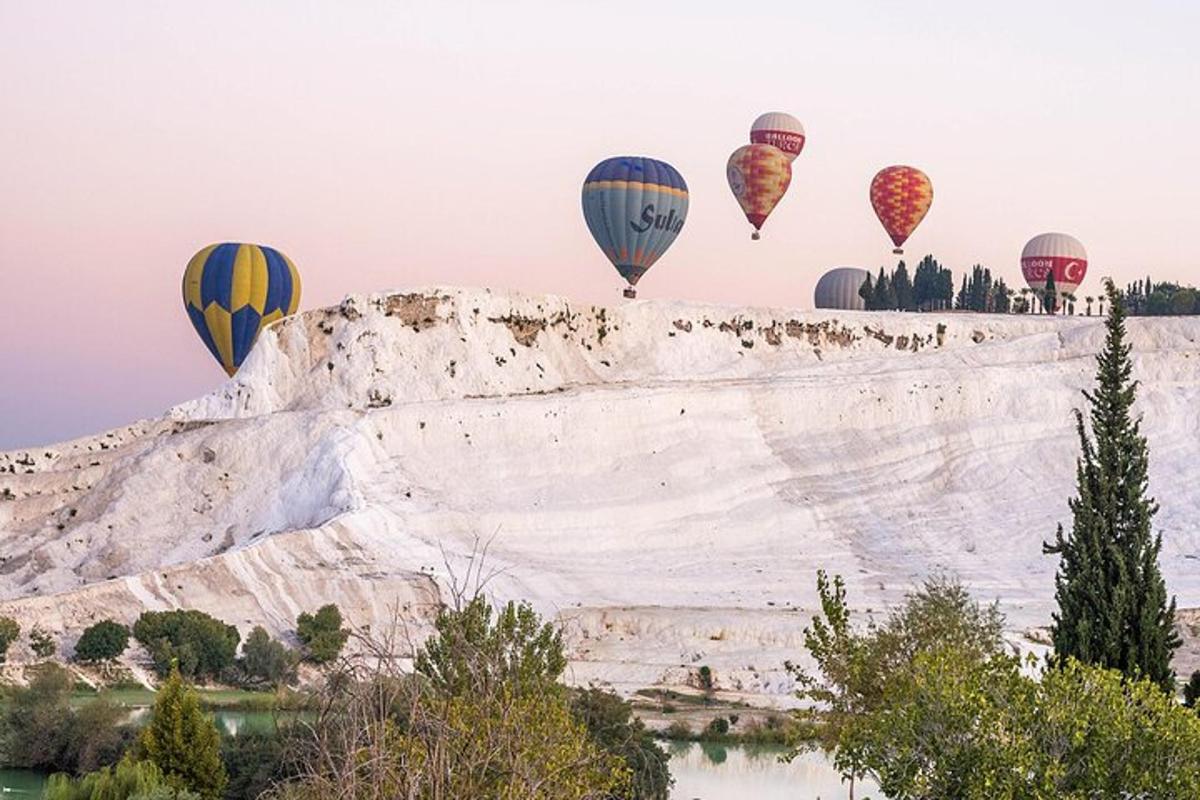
x: 838, y: 288
x: 901, y: 197
x: 1058, y: 253
x: 232, y: 291
x: 634, y: 207
x: 779, y: 130
x: 758, y: 175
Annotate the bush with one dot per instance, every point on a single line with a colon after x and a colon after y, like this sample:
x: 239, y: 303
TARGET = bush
x: 40, y: 643
x: 201, y: 645
x: 716, y: 728
x: 679, y: 731
x: 266, y: 661
x: 40, y: 730
x: 706, y: 678
x: 104, y: 641
x: 254, y: 761
x: 9, y: 631
x: 484, y: 717
x: 610, y: 722
x: 322, y: 634
x: 128, y: 780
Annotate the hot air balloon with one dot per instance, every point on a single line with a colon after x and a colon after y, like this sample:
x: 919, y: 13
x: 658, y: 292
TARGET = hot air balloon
x: 1057, y: 254
x: 780, y: 130
x: 759, y: 175
x: 634, y: 207
x: 901, y: 197
x: 232, y: 291
x: 839, y: 287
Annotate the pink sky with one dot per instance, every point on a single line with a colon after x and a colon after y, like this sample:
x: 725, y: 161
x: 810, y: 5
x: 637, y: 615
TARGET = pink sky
x: 386, y: 145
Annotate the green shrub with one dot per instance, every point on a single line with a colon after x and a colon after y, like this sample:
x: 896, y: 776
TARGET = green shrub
x: 128, y: 780
x: 104, y: 641
x: 716, y: 728
x: 611, y: 724
x: 9, y: 631
x: 322, y: 634
x: 679, y: 731
x: 201, y: 645
x: 266, y: 661
x: 41, y: 643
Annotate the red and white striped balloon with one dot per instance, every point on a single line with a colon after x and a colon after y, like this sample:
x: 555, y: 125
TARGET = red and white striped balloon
x: 779, y: 130
x: 1058, y: 253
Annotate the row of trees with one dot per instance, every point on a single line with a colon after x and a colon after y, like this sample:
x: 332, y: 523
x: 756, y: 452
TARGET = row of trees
x: 1147, y: 298
x: 201, y: 646
x: 931, y: 288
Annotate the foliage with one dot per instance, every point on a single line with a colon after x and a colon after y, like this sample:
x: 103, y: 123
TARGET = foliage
x: 705, y: 676
x: 471, y: 652
x: 127, y: 780
x: 610, y: 722
x: 1191, y: 692
x: 41, y: 643
x: 980, y: 292
x: 1112, y: 599
x: 953, y: 726
x: 199, y: 644
x: 855, y: 667
x: 183, y: 741
x: 1146, y: 298
x: 716, y: 727
x: 266, y: 661
x: 254, y: 761
x: 40, y: 730
x: 483, y: 716
x: 104, y: 641
x: 9, y: 631
x: 322, y: 634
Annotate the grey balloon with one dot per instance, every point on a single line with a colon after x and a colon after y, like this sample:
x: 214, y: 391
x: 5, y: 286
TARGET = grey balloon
x: 839, y: 287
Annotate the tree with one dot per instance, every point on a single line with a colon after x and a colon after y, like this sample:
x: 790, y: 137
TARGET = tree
x: 470, y: 652
x: 1112, y: 599
x: 9, y: 631
x: 884, y: 299
x: 856, y: 669
x: 1089, y: 300
x: 40, y: 643
x: 183, y: 741
x: 199, y: 645
x: 1191, y: 692
x: 255, y: 761
x: 104, y: 641
x: 610, y: 722
x: 902, y: 285
x: 1050, y: 294
x: 266, y: 661
x: 322, y: 634
x: 867, y: 293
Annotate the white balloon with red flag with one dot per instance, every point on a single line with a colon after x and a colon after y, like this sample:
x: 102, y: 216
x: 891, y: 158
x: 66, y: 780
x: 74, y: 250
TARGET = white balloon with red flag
x: 1055, y: 253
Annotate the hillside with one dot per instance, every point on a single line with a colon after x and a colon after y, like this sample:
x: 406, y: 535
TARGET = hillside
x: 664, y: 477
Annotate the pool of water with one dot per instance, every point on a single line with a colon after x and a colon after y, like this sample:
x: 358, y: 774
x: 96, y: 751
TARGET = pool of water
x: 704, y: 771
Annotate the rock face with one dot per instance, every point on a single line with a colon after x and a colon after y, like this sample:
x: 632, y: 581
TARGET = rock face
x: 666, y: 478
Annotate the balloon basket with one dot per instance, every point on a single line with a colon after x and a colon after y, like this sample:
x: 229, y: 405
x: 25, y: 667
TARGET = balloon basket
x: 755, y: 236
x: 630, y: 293
x: 898, y: 251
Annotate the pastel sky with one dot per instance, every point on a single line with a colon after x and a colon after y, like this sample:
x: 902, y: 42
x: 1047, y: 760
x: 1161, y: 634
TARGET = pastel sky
x: 386, y: 145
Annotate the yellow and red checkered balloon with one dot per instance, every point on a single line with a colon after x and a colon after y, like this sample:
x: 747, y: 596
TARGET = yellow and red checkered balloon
x: 758, y: 176
x: 901, y: 197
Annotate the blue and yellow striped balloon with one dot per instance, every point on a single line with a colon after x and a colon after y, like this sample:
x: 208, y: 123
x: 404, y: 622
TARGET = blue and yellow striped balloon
x: 232, y: 291
x: 634, y: 207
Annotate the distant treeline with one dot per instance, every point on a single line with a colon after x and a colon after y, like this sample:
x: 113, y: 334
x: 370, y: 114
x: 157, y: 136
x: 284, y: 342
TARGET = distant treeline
x: 1149, y: 299
x: 931, y: 288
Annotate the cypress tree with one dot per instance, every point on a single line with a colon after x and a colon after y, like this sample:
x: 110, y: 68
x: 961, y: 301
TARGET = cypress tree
x: 1050, y: 294
x: 867, y: 293
x: 1112, y: 599
x: 183, y: 741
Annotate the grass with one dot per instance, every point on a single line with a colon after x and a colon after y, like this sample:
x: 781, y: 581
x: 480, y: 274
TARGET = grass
x: 210, y: 699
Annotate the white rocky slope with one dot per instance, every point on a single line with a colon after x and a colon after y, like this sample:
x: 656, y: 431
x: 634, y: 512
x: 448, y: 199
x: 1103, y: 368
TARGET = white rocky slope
x: 664, y: 477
